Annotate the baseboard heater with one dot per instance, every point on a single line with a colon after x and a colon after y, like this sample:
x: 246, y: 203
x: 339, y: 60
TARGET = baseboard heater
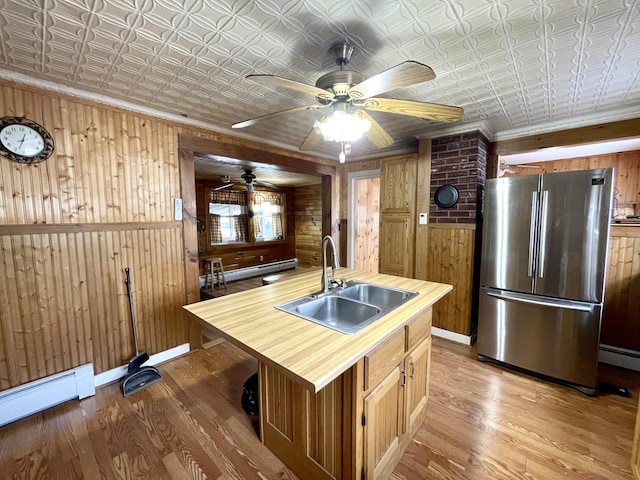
x: 620, y: 357
x: 33, y: 397
x: 257, y: 270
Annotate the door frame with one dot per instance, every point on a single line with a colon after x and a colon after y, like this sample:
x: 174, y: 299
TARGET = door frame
x: 351, y: 210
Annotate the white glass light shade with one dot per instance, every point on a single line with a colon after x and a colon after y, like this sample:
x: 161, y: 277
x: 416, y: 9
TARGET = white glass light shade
x: 342, y: 127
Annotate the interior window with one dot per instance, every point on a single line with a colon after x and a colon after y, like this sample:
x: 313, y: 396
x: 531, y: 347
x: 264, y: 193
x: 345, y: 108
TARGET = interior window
x: 227, y: 217
x: 268, y: 218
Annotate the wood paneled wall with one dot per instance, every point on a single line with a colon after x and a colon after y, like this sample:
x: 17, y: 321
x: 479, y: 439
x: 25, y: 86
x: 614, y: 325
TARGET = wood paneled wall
x: 308, y: 225
x: 621, y: 317
x: 366, y: 224
x: 450, y: 260
x: 68, y: 228
x: 70, y: 225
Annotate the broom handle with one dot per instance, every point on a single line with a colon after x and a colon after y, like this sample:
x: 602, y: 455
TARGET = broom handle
x: 133, y: 317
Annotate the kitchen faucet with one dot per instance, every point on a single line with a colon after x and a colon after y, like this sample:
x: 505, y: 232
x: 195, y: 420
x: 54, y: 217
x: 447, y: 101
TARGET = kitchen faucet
x: 329, y: 281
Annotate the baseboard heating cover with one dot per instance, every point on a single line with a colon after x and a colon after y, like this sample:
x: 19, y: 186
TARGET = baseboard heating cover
x: 620, y: 357
x: 257, y: 270
x: 19, y: 402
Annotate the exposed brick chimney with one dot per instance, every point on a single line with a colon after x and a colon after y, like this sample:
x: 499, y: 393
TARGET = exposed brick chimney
x: 459, y: 160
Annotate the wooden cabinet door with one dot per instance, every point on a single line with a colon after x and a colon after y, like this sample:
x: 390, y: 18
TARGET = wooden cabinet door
x: 418, y: 365
x: 383, y: 426
x: 396, y: 244
x: 397, y: 215
x: 398, y: 184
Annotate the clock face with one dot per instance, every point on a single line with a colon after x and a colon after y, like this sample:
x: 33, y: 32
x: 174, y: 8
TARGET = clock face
x: 24, y: 141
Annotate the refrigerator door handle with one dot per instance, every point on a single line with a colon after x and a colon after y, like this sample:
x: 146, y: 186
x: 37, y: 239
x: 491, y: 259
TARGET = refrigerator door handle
x: 547, y: 302
x: 543, y: 232
x: 532, y: 231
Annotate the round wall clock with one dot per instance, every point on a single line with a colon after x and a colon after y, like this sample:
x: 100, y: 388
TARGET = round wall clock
x: 24, y: 141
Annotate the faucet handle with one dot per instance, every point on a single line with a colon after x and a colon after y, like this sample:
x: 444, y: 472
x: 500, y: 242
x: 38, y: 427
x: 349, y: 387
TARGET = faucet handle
x: 340, y: 282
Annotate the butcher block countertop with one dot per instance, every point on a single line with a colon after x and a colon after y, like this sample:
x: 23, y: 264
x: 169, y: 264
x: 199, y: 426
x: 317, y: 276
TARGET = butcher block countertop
x: 310, y: 354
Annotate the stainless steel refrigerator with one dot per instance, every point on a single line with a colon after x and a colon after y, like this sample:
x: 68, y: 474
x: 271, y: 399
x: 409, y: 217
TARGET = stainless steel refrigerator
x: 544, y: 247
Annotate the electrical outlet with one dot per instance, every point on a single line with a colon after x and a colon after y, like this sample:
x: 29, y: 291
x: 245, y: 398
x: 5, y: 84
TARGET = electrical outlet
x: 261, y: 258
x: 424, y: 218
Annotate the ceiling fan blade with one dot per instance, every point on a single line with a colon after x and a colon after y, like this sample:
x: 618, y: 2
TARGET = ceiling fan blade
x: 222, y: 187
x: 428, y: 111
x: 266, y: 184
x: 376, y: 133
x: 312, y: 139
x: 273, y: 81
x: 403, y: 75
x: 253, y: 121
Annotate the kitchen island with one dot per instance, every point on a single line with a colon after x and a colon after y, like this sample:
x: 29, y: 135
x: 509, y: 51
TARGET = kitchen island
x: 333, y: 405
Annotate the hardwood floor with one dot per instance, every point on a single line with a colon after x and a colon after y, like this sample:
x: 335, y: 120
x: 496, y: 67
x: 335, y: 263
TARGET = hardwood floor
x: 484, y: 422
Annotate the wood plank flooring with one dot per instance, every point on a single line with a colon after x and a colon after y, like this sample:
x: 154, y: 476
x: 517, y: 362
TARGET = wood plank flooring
x: 484, y: 422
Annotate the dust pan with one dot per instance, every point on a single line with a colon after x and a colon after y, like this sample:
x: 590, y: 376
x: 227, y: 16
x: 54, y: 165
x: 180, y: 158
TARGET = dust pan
x: 137, y: 377
x: 136, y: 381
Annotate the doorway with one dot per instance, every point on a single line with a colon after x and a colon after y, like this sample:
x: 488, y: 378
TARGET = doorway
x: 364, y: 220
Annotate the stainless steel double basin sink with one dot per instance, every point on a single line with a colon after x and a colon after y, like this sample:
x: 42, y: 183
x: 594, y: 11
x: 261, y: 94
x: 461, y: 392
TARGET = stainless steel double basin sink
x: 349, y: 308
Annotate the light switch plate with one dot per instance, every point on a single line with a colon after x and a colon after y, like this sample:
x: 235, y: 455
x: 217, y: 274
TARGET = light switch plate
x: 424, y: 218
x: 177, y: 209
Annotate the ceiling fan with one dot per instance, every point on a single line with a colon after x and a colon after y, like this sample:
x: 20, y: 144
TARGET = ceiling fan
x: 348, y: 91
x: 504, y: 167
x: 248, y: 179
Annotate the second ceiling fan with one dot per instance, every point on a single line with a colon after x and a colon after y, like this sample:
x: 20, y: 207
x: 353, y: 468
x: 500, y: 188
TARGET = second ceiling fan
x: 350, y: 95
x: 248, y: 179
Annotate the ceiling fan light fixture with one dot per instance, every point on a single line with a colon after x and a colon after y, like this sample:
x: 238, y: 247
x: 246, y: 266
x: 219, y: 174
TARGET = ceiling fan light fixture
x: 342, y: 127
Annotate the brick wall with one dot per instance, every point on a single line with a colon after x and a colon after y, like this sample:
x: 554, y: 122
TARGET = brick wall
x: 459, y: 160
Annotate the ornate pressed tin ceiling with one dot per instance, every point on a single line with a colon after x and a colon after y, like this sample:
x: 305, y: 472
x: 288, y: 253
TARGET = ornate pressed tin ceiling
x: 515, y: 66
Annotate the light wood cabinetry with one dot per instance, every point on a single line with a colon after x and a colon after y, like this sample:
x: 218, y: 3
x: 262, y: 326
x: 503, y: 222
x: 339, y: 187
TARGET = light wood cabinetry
x: 396, y: 407
x: 397, y: 215
x: 360, y: 424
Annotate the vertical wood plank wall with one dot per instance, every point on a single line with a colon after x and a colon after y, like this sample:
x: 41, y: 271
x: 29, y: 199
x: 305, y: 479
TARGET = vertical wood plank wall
x: 308, y: 220
x: 68, y: 228
x: 70, y: 225
x: 450, y: 260
x: 367, y: 224
x: 621, y: 316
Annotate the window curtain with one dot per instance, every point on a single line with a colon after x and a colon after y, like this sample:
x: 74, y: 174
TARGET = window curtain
x: 216, y: 231
x: 272, y: 197
x: 240, y: 227
x: 228, y: 197
x: 276, y: 221
x: 256, y: 226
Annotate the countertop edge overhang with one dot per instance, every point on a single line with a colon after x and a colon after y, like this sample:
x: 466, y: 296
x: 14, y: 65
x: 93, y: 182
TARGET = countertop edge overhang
x: 310, y: 354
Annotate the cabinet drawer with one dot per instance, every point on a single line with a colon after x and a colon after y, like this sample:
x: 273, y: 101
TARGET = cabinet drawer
x: 418, y: 329
x: 383, y: 359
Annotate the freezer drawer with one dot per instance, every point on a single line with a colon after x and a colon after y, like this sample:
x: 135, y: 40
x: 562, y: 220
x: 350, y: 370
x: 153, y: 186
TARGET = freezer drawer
x: 558, y: 338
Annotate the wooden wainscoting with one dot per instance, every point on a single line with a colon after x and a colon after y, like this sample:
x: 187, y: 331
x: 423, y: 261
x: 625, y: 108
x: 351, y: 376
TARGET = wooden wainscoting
x: 451, y: 260
x: 622, y: 291
x: 64, y: 303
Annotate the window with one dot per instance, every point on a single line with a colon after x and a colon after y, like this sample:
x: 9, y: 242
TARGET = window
x: 268, y: 215
x: 227, y: 217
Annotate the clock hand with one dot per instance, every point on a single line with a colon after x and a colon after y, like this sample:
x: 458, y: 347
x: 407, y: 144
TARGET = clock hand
x: 22, y: 141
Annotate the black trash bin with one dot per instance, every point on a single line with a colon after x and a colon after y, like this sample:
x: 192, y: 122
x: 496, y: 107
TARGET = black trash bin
x: 250, y: 400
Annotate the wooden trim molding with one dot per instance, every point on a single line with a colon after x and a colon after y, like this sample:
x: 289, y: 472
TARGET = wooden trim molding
x: 43, y: 229
x: 573, y: 136
x: 452, y: 226
x: 625, y: 231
